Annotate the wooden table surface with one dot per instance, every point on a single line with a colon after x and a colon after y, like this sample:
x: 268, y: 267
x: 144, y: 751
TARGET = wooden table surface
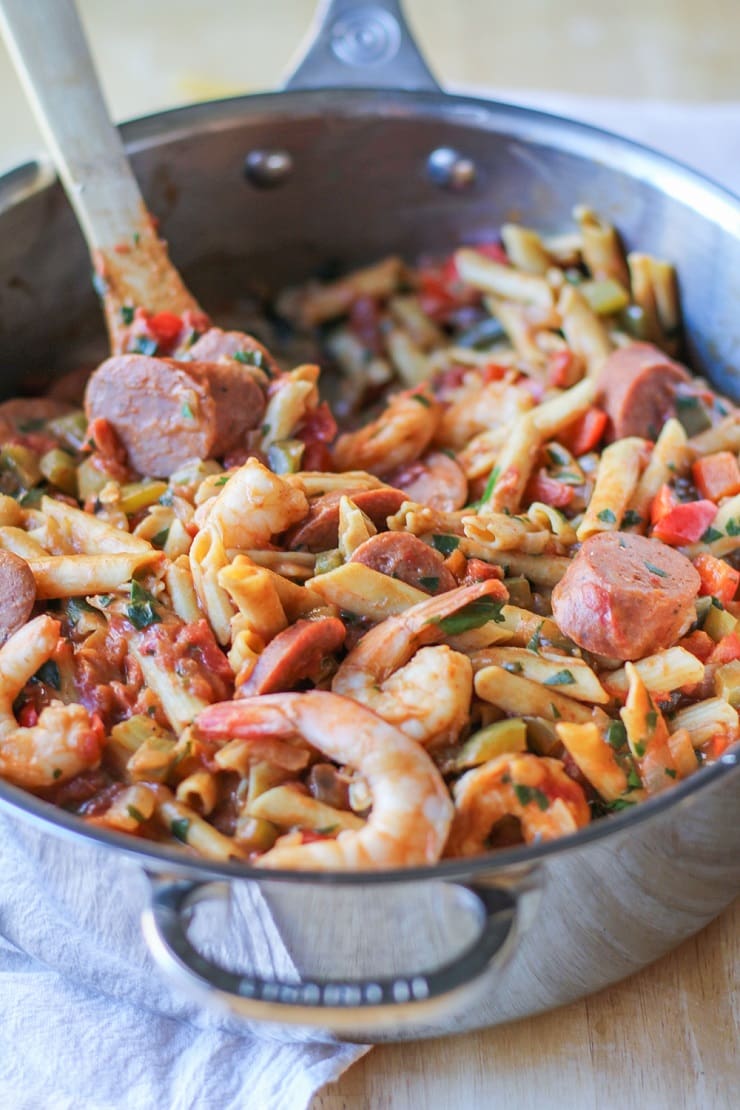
x: 668, y: 1037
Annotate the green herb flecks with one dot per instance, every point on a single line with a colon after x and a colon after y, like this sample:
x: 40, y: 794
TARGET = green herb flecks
x: 616, y: 734
x: 711, y: 535
x: 250, y: 358
x: 656, y: 570
x: 179, y: 828
x: 127, y: 314
x: 161, y: 538
x: 606, y: 516
x: 422, y: 400
x: 670, y: 772
x: 474, y: 615
x: 429, y: 582
x: 733, y: 527
x: 445, y: 545
x: 631, y: 519
x: 136, y: 814
x: 561, y: 678
x: 144, y: 345
x: 527, y: 794
x: 186, y: 411
x: 533, y: 644
x: 651, y: 719
x: 141, y: 608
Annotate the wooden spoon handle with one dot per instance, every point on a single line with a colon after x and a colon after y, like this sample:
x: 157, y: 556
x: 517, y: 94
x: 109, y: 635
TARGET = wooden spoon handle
x: 48, y: 47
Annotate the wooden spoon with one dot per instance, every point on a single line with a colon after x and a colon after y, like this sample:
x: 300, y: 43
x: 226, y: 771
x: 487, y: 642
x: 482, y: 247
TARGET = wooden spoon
x: 48, y: 47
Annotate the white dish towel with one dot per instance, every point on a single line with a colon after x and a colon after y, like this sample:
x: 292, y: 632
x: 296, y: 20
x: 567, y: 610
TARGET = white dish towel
x: 86, y: 1020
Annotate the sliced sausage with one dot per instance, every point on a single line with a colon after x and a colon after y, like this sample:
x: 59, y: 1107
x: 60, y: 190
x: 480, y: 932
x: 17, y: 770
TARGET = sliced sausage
x: 17, y: 593
x: 166, y: 412
x: 293, y: 655
x: 637, y: 387
x: 435, y: 480
x: 625, y: 596
x: 320, y: 529
x: 216, y: 345
x: 400, y: 555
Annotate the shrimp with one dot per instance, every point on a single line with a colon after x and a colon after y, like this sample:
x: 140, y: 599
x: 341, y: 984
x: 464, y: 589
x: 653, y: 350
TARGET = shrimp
x: 253, y: 506
x: 65, y: 741
x: 424, y: 691
x: 402, y: 433
x: 411, y: 808
x: 533, y: 788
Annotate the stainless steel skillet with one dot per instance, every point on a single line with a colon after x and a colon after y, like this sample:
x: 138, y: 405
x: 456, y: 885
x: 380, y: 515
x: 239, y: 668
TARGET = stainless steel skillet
x: 258, y: 191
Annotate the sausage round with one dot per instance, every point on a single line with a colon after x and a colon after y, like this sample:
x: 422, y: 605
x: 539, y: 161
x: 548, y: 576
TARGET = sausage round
x: 435, y: 480
x: 403, y: 556
x: 637, y: 388
x: 293, y: 655
x: 625, y: 596
x: 166, y: 412
x: 17, y: 593
x: 215, y: 345
x: 320, y: 529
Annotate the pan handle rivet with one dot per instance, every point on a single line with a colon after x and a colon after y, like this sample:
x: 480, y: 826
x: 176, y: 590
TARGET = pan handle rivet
x: 267, y: 168
x: 450, y: 170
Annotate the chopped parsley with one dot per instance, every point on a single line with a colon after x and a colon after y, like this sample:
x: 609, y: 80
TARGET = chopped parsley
x: 327, y: 830
x: 490, y: 486
x: 429, y: 582
x: 620, y: 803
x: 127, y: 314
x: 633, y: 779
x: 250, y: 358
x: 606, y: 516
x: 222, y: 480
x: 140, y: 610
x: 421, y: 399
x: 561, y: 678
x: 717, y: 603
x: 527, y: 794
x: 186, y: 411
x: 265, y: 429
x: 640, y: 748
x: 474, y: 615
x: 670, y: 772
x: 161, y: 538
x: 533, y: 644
x: 56, y: 773
x: 445, y: 545
x: 711, y: 535
x: 616, y: 734
x: 167, y: 498
x: 733, y: 527
x: 631, y: 518
x: 656, y: 570
x: 180, y: 828
x: 555, y: 711
x: 136, y: 814
x: 144, y: 345
x: 651, y: 719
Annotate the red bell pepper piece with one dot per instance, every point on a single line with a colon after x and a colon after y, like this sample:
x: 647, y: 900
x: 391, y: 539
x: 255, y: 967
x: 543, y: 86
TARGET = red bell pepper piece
x: 541, y: 487
x: 718, y: 578
x: 686, y: 522
x: 586, y: 432
x: 717, y: 475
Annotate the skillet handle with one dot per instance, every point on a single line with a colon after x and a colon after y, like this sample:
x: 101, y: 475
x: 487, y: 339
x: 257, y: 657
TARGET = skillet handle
x: 341, y: 1005
x: 361, y: 44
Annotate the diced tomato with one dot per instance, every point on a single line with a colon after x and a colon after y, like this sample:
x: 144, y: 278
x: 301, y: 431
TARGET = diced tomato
x: 717, y: 475
x: 435, y: 294
x: 699, y: 643
x: 664, y: 500
x: 686, y: 522
x: 28, y: 716
x: 585, y: 433
x: 492, y: 372
x: 317, y: 456
x: 727, y: 650
x: 718, y: 745
x: 541, y: 487
x: 559, y: 368
x: 477, y: 570
x: 718, y: 578
x: 165, y: 327
x: 318, y: 425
